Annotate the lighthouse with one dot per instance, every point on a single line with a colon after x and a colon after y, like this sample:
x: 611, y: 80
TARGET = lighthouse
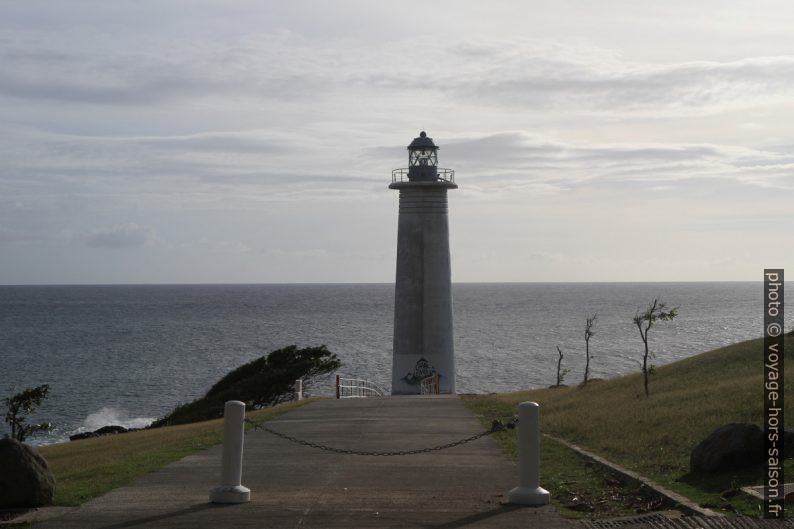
x: 422, y: 292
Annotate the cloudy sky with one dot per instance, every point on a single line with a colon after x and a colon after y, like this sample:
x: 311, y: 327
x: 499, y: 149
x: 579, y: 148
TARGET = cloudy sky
x: 225, y: 142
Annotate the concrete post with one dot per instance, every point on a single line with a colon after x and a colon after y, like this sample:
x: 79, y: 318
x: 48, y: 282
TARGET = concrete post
x: 528, y: 491
x: 299, y: 389
x: 231, y: 489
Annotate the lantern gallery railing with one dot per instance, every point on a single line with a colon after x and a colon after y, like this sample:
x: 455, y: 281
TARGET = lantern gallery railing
x: 444, y: 175
x: 347, y: 388
x: 430, y: 385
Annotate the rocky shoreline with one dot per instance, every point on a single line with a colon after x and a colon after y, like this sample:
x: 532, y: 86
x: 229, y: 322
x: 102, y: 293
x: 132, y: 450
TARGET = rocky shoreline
x: 105, y: 430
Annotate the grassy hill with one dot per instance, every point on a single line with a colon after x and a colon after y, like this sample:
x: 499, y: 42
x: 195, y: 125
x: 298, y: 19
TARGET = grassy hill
x: 654, y: 436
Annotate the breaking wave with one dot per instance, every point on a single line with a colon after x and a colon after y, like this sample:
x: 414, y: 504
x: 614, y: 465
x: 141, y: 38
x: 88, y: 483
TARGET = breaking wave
x: 109, y: 416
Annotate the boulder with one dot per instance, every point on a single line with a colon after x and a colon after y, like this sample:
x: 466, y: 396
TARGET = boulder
x: 729, y: 447
x: 26, y: 479
x: 105, y: 430
x: 83, y: 435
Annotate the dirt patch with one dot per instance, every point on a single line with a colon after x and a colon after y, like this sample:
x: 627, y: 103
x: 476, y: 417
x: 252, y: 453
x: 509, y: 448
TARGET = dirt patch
x: 612, y: 497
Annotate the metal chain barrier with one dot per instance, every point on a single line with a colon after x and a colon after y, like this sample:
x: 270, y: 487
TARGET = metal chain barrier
x: 496, y: 426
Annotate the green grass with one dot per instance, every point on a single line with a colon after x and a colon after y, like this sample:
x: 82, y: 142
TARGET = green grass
x: 91, y: 467
x: 654, y: 436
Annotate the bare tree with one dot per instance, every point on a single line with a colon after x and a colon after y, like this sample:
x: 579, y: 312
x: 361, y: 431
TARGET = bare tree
x: 560, y: 372
x: 644, y: 321
x: 588, y: 333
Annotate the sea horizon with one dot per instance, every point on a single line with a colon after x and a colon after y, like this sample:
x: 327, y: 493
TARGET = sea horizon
x: 380, y: 283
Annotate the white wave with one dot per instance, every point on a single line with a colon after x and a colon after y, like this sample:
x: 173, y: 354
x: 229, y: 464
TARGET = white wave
x: 109, y: 416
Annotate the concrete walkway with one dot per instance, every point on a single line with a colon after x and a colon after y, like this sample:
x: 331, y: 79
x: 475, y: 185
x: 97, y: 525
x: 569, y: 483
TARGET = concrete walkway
x: 294, y: 486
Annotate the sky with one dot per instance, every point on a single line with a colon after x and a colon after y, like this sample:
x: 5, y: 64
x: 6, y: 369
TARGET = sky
x: 253, y: 142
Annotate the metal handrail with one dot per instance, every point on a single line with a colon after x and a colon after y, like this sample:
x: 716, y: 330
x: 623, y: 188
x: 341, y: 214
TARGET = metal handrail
x: 347, y: 388
x: 430, y: 385
x: 444, y: 175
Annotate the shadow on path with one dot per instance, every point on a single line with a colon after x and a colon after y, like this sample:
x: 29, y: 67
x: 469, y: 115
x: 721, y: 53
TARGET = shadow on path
x: 159, y: 517
x: 474, y: 518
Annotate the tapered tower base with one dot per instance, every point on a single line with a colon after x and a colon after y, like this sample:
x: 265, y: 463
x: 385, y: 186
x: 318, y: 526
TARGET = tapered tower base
x: 423, y: 343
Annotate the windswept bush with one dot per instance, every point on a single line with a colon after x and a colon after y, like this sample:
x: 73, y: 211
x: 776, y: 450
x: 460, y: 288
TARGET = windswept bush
x: 20, y: 406
x: 263, y: 382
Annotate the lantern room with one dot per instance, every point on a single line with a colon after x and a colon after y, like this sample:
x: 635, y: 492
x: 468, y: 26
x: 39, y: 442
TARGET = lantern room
x: 422, y: 158
x: 423, y: 163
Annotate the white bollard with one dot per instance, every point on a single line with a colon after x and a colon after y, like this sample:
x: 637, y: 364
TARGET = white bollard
x: 528, y: 491
x: 231, y: 489
x: 299, y: 389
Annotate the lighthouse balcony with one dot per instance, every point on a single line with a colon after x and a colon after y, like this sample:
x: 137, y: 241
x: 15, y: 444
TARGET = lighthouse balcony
x: 438, y: 175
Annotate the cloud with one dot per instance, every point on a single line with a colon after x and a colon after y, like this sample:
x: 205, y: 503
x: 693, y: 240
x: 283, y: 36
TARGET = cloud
x: 556, y: 83
x: 230, y: 247
x: 34, y: 231
x: 213, y: 167
x: 524, y: 159
x: 47, y: 173
x: 122, y: 236
x: 7, y: 235
x: 103, y: 70
x: 310, y: 252
x: 268, y: 69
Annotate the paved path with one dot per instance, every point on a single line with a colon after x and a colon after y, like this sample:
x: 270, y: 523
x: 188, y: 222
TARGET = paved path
x: 294, y: 486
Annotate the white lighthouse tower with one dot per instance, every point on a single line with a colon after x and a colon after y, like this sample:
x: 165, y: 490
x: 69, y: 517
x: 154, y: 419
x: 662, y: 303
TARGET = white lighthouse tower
x: 422, y: 295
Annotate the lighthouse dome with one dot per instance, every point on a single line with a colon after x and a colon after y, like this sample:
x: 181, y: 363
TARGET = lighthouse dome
x: 422, y: 142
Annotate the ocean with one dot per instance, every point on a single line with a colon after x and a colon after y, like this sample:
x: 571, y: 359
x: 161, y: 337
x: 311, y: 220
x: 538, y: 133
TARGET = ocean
x: 129, y: 354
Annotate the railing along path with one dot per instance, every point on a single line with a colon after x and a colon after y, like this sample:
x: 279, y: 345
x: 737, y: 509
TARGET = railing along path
x: 347, y: 388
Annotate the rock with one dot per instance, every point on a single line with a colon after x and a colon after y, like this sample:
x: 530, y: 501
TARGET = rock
x: 729, y: 493
x: 26, y: 479
x: 105, y: 430
x: 729, y: 447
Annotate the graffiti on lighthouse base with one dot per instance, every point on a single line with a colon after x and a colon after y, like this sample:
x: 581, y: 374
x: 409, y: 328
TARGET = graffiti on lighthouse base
x: 422, y: 369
